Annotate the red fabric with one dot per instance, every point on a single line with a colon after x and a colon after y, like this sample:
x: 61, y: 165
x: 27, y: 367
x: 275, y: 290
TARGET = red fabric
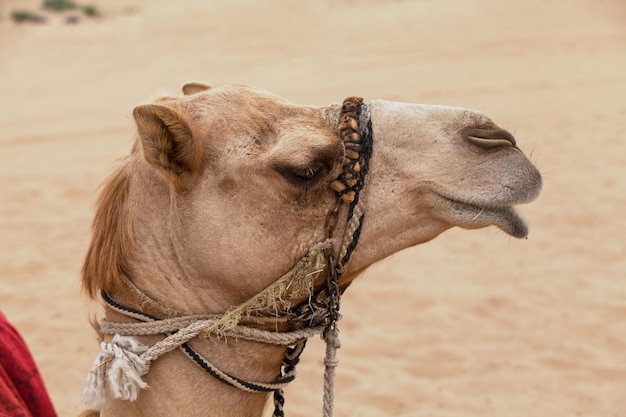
x: 22, y: 392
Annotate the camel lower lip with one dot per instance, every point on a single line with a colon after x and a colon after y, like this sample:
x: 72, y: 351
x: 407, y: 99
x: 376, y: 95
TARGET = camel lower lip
x: 471, y: 216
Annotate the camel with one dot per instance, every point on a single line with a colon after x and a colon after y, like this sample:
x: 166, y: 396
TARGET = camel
x: 243, y: 212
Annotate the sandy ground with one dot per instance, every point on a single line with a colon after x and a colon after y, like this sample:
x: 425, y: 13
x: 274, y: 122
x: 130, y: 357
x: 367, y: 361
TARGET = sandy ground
x: 471, y: 324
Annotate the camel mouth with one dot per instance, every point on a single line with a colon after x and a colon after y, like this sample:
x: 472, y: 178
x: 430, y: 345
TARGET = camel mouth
x: 473, y: 216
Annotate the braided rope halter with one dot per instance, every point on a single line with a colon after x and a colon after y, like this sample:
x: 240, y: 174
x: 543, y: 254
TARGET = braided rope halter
x: 123, y: 361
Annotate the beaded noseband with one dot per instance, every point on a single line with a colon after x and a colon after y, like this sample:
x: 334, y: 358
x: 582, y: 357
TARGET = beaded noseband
x: 318, y: 313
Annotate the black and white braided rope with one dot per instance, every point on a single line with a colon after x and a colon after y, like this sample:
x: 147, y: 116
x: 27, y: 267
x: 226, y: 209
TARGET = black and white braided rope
x: 287, y: 373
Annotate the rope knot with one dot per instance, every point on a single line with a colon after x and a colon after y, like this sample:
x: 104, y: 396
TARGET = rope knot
x: 120, y: 366
x: 331, y: 337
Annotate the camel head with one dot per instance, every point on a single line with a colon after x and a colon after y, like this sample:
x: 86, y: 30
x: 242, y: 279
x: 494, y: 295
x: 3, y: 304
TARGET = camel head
x: 228, y: 187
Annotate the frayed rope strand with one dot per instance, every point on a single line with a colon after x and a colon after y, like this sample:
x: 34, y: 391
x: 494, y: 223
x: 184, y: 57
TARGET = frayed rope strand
x: 119, y: 366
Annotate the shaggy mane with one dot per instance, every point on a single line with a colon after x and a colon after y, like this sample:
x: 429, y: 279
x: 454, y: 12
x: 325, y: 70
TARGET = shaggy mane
x: 112, y: 238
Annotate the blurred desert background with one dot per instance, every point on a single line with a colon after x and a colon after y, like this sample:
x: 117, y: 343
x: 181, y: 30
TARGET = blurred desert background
x: 474, y: 323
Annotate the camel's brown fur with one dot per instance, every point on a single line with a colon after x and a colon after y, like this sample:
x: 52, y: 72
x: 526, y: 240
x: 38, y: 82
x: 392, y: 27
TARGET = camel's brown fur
x: 113, y: 239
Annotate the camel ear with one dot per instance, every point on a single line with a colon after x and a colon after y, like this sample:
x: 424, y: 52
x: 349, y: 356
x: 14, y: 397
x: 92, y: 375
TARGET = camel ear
x: 194, y: 87
x: 168, y: 144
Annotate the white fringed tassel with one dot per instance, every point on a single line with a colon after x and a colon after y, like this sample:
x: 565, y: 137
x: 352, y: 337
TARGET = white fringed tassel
x: 119, y: 365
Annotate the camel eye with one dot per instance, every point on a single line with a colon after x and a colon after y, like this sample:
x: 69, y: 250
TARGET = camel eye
x: 309, y: 173
x: 304, y: 175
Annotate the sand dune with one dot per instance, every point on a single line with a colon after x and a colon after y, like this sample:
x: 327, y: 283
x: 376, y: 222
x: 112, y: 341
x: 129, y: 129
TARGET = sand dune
x: 471, y: 324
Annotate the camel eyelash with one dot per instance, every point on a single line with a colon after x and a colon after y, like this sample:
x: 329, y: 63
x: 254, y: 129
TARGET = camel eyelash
x: 308, y: 173
x: 303, y: 176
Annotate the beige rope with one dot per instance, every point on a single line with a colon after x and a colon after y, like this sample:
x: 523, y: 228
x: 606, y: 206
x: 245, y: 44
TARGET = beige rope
x: 197, y: 322
x: 330, y: 363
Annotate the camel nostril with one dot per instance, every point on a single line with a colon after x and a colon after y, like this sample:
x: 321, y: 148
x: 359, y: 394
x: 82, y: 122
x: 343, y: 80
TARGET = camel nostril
x: 489, y: 138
